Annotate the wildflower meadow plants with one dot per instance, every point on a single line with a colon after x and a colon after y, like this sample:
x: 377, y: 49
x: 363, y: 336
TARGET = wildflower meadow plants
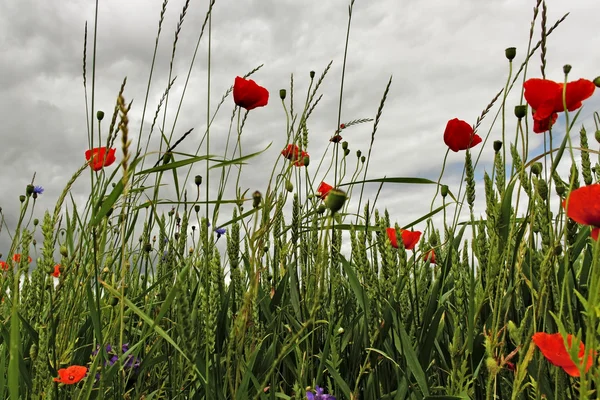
x: 303, y: 288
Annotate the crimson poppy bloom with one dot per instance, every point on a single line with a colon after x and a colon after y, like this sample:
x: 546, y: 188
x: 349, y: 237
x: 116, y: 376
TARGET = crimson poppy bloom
x: 546, y: 99
x: 553, y: 348
x: 3, y: 266
x: 323, y: 190
x: 56, y: 272
x: 17, y: 258
x: 429, y: 256
x: 98, y: 158
x: 459, y: 135
x: 71, y: 375
x: 291, y: 152
x: 409, y: 238
x: 247, y: 94
x: 336, y: 138
x: 584, y: 207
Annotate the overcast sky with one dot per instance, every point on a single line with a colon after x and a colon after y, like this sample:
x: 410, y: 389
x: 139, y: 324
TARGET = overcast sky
x: 446, y: 58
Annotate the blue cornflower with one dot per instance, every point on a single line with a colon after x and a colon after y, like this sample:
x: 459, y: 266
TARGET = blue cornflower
x: 38, y: 190
x: 220, y: 232
x: 320, y: 395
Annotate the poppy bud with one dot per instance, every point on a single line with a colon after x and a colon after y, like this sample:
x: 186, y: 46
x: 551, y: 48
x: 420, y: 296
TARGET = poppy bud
x: 346, y: 152
x: 197, y: 208
x: 444, y: 190
x: 566, y: 69
x: 321, y: 209
x: 312, y: 74
x: 510, y: 53
x: 198, y: 180
x: 560, y: 190
x: 597, y: 136
x: 363, y: 159
x: 335, y: 200
x: 114, y: 301
x: 34, y: 242
x: 536, y: 168
x: 21, y: 198
x: 35, y: 195
x: 306, y: 160
x: 147, y: 247
x: 36, y: 222
x: 358, y: 153
x: 521, y: 111
x: 289, y: 186
x: 100, y: 115
x: 256, y: 198
x: 282, y: 93
x: 344, y: 145
x: 597, y: 81
x: 29, y: 190
x: 497, y: 145
x: 167, y: 158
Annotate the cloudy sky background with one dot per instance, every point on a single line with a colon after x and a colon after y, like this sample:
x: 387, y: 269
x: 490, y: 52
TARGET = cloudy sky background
x: 446, y: 58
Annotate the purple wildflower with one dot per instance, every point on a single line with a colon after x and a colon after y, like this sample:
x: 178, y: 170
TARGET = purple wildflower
x: 38, y: 190
x: 220, y: 232
x: 320, y: 395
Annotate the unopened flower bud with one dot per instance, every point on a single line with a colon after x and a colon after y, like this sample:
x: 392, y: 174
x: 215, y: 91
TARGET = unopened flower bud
x: 560, y: 190
x: 100, y: 115
x: 22, y: 198
x: 444, y: 190
x: 306, y: 161
x: 521, y: 111
x: 597, y: 81
x: 282, y: 93
x: 566, y: 69
x: 363, y: 159
x: 198, y: 180
x: 358, y: 153
x: 335, y: 200
x: 289, y: 186
x: 197, y: 208
x: 312, y: 74
x: 346, y: 152
x: 167, y: 158
x: 497, y: 145
x: 510, y: 53
x: 536, y: 168
x: 321, y: 209
x: 597, y: 135
x: 36, y: 222
x: 256, y: 198
x: 344, y: 145
x: 147, y: 247
x: 29, y: 190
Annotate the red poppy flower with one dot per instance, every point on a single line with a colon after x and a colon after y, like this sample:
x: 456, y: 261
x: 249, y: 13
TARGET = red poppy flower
x: 459, y: 135
x: 71, y: 375
x: 323, y: 190
x: 584, y: 207
x: 3, y: 266
x: 336, y: 139
x: 546, y: 98
x: 429, y: 256
x: 409, y: 238
x: 56, y: 272
x: 291, y: 152
x: 553, y: 348
x: 247, y: 94
x: 98, y: 158
x: 543, y: 125
x: 17, y: 258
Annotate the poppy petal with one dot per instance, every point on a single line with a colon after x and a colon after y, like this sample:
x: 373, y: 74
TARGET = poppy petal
x: 584, y: 205
x: 540, y: 91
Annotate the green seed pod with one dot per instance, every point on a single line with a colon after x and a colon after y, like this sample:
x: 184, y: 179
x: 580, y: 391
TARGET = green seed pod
x: 597, y: 136
x: 363, y: 159
x: 597, y: 81
x: 521, y: 111
x: 147, y: 247
x: 100, y: 115
x: 566, y: 68
x: 444, y: 190
x: 306, y: 161
x: 321, y: 209
x: 29, y: 190
x: 358, y: 153
x: 197, y: 208
x: 346, y: 152
x: 22, y: 198
x: 289, y: 186
x: 335, y: 200
x: 113, y: 301
x: 344, y: 145
x: 312, y: 74
x: 497, y: 145
x: 36, y: 222
x: 198, y: 180
x: 282, y: 93
x: 510, y: 53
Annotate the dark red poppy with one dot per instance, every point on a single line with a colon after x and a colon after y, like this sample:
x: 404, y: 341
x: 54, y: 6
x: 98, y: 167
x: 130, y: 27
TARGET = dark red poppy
x: 3, y: 266
x: 553, y: 348
x: 17, y: 258
x: 71, y: 375
x: 459, y: 135
x: 98, y: 158
x: 409, y: 238
x: 584, y: 207
x: 323, y: 190
x: 56, y: 272
x: 429, y: 256
x: 546, y: 98
x: 336, y: 139
x: 247, y: 94
x: 543, y: 125
x: 291, y: 152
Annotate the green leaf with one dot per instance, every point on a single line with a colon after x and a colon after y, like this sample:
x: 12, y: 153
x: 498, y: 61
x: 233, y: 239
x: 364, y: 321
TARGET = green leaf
x: 108, y: 203
x: 413, y: 362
